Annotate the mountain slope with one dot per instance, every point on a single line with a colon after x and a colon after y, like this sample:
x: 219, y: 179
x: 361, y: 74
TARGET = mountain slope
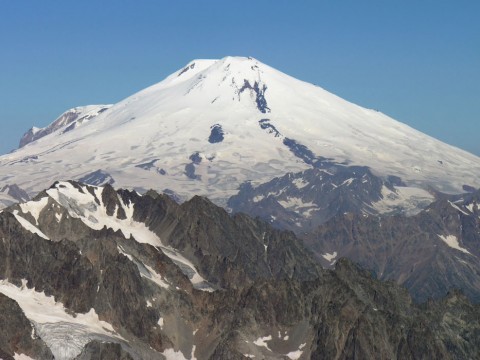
x: 429, y: 253
x: 302, y: 201
x: 215, y: 124
x: 100, y: 271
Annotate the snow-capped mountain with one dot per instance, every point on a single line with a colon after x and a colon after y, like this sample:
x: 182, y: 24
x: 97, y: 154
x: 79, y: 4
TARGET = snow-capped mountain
x: 215, y: 124
x: 68, y: 121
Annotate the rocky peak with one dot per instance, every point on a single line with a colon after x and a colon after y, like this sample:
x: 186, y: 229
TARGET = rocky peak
x: 67, y: 121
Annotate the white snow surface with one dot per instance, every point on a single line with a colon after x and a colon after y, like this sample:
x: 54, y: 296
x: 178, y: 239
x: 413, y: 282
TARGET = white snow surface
x: 294, y: 355
x: 408, y: 200
x: 160, y: 322
x: 29, y: 226
x: 171, y: 354
x: 452, y: 241
x: 166, y: 123
x: 63, y: 333
x: 34, y: 207
x: 329, y: 257
x: 262, y: 342
x: 21, y: 357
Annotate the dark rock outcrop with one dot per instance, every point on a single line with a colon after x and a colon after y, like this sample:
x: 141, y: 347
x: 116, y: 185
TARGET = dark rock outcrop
x: 17, y: 335
x: 216, y: 134
x: 16, y: 192
x: 96, y: 350
x: 228, y: 250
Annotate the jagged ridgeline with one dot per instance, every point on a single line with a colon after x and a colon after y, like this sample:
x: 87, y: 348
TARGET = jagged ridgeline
x: 96, y: 273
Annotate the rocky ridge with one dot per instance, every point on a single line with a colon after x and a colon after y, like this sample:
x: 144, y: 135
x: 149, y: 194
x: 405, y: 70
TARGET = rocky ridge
x: 160, y: 280
x: 302, y: 201
x: 428, y: 253
x: 68, y: 121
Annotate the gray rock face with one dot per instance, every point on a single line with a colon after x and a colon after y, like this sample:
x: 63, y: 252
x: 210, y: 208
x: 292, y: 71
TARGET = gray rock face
x: 300, y: 202
x: 17, y: 335
x: 334, y: 210
x: 429, y: 253
x: 56, y: 268
x: 97, y: 178
x: 271, y: 299
x: 15, y: 192
x: 228, y: 250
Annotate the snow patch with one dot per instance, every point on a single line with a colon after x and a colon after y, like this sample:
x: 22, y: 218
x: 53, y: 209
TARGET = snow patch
x: 300, y: 183
x: 21, y: 357
x: 171, y: 354
x: 155, y: 277
x: 294, y: 355
x: 145, y: 270
x: 299, y: 206
x: 456, y: 207
x: 258, y: 198
x: 34, y: 207
x: 262, y: 342
x: 452, y: 241
x: 27, y: 225
x: 64, y: 334
x: 329, y: 257
x: 347, y: 182
x: 407, y: 200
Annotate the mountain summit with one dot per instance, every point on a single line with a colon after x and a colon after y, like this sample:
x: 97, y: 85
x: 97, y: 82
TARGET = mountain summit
x: 215, y: 124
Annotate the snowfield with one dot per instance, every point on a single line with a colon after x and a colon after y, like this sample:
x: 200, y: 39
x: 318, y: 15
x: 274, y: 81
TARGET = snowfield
x: 65, y: 335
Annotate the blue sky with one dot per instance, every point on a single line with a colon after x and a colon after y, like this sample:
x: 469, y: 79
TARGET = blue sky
x: 417, y: 61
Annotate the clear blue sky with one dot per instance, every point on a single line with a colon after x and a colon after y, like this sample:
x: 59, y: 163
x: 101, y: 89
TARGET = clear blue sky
x: 417, y: 61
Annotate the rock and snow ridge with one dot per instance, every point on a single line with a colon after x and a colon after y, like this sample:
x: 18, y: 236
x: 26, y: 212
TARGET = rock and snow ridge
x: 104, y: 270
x: 302, y: 201
x: 65, y: 334
x: 88, y: 219
x: 429, y: 253
x: 215, y: 124
x: 88, y: 206
x: 68, y: 121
